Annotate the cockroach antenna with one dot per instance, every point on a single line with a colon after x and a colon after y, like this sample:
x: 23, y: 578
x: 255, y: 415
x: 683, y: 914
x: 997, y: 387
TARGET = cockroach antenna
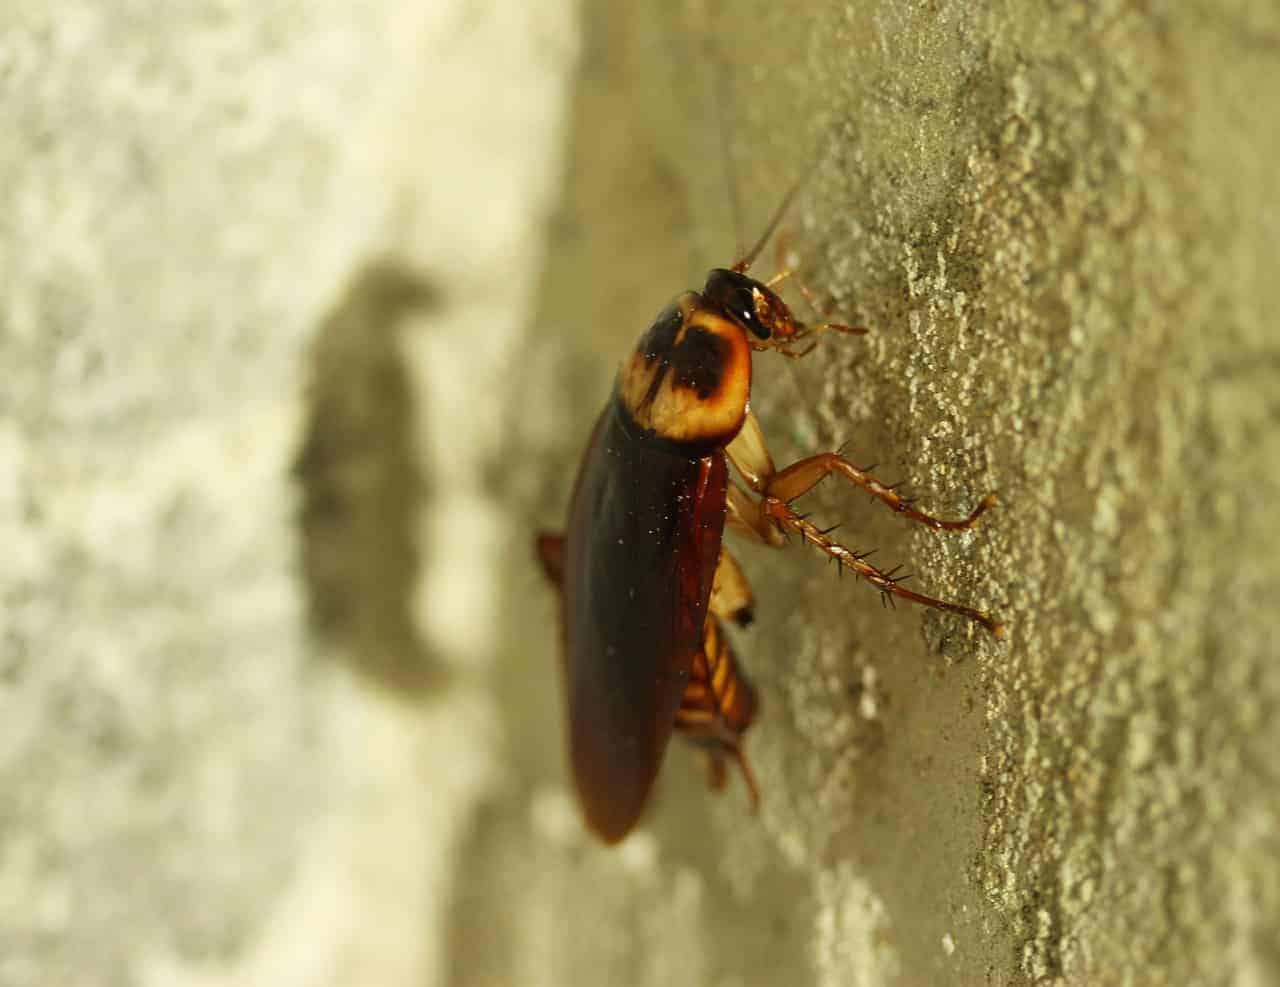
x: 726, y: 152
x: 807, y: 173
x: 731, y: 172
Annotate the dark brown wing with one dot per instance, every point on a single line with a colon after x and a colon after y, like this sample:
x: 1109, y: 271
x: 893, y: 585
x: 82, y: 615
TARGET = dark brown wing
x: 639, y: 558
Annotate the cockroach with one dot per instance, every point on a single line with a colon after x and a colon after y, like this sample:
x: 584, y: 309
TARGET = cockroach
x: 644, y: 580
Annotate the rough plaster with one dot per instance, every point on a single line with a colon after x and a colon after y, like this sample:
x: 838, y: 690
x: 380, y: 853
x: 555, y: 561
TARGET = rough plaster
x: 1061, y: 225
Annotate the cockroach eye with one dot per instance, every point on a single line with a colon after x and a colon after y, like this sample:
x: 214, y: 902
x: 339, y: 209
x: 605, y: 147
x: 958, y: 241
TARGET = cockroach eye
x: 735, y: 295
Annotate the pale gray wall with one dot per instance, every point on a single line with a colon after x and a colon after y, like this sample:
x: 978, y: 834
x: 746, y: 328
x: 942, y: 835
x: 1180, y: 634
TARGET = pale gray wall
x: 306, y: 311
x: 222, y: 224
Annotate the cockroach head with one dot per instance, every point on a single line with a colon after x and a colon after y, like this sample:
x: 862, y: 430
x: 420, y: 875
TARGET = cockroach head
x: 750, y: 304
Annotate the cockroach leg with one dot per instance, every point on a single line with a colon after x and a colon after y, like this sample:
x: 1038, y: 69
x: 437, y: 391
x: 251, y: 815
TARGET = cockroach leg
x: 717, y: 755
x: 551, y: 554
x: 808, y: 331
x: 748, y: 776
x: 745, y: 518
x: 799, y: 478
x: 731, y: 596
x: 771, y: 518
x: 750, y: 457
x: 793, y: 354
x: 786, y: 272
x: 781, y: 514
x: 716, y: 773
x: 750, y: 454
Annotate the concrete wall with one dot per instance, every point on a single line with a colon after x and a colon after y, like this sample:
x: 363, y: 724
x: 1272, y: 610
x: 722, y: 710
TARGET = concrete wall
x: 306, y: 311
x: 227, y: 750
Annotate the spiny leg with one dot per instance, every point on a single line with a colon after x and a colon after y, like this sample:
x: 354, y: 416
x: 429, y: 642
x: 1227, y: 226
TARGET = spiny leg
x: 745, y: 518
x: 769, y: 520
x: 782, y: 515
x: 750, y: 457
x: 801, y: 477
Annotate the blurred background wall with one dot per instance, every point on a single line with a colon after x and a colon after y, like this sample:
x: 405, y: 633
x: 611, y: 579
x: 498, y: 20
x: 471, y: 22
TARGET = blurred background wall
x: 249, y: 253
x: 305, y: 313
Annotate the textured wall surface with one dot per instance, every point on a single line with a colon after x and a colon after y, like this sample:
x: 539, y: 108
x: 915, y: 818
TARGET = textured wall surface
x: 299, y: 348
x: 1062, y: 227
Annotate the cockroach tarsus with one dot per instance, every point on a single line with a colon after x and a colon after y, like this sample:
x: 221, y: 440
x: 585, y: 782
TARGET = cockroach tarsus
x: 644, y: 580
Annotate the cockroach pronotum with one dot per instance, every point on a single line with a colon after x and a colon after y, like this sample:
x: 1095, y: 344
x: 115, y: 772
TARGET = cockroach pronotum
x: 643, y: 578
